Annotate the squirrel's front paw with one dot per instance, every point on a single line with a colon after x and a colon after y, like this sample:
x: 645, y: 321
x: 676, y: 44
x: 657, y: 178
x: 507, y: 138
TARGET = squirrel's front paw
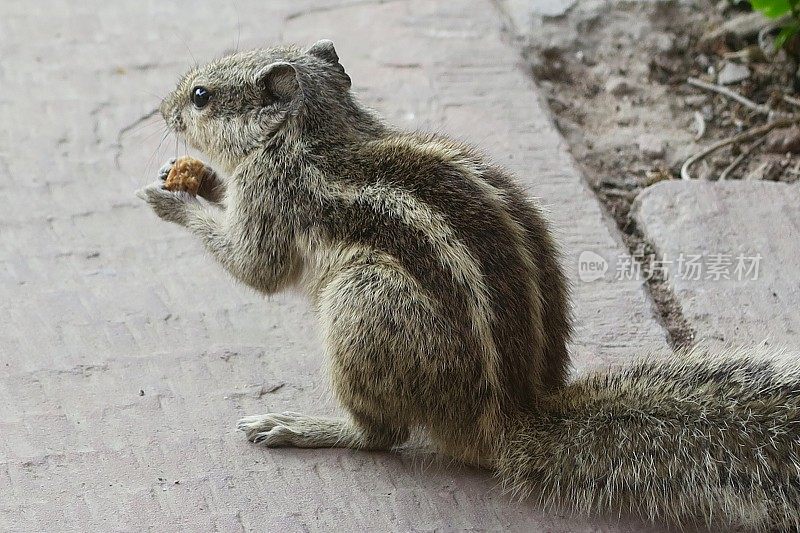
x: 172, y: 206
x: 272, y: 429
x: 193, y: 176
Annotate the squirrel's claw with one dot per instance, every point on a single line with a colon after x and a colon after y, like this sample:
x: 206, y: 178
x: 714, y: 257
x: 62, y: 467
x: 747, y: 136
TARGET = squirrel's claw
x: 163, y: 172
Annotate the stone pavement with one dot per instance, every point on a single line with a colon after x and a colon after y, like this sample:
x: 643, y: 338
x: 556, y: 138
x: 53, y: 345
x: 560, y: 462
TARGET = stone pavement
x: 731, y: 251
x: 127, y: 355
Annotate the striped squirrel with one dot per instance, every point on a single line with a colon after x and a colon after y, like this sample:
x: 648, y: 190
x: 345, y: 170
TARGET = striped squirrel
x: 444, y: 308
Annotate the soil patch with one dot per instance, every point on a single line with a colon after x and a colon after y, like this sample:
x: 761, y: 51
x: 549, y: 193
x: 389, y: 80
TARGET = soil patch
x: 615, y: 76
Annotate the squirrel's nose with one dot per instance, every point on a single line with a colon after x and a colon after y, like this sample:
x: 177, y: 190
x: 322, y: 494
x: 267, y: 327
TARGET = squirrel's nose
x: 171, y: 116
x: 164, y: 110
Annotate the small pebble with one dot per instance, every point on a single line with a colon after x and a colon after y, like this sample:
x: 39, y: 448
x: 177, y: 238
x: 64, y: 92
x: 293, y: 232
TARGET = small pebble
x: 651, y: 146
x: 732, y: 73
x: 618, y: 86
x: 663, y: 42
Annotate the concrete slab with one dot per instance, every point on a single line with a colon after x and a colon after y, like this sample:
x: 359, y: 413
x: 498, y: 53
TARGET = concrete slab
x: 744, y: 238
x: 127, y: 355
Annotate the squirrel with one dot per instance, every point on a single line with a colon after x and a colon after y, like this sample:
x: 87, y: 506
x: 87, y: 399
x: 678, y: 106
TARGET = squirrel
x: 444, y: 307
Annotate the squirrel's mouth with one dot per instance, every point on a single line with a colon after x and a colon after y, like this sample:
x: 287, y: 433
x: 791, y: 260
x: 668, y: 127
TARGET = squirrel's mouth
x: 176, y: 124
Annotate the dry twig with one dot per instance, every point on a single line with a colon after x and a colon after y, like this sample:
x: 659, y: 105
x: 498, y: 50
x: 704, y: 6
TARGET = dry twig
x: 730, y: 94
x: 752, y: 133
x: 741, y: 157
x: 791, y: 100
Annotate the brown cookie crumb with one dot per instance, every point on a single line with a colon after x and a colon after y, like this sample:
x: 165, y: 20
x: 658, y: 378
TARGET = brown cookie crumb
x: 185, y: 175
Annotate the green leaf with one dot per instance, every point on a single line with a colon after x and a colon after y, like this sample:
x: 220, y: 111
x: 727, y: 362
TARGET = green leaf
x: 772, y: 8
x: 787, y: 32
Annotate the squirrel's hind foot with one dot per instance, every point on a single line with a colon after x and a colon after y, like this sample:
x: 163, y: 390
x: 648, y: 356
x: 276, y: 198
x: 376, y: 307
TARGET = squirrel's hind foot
x: 288, y: 429
x: 294, y: 429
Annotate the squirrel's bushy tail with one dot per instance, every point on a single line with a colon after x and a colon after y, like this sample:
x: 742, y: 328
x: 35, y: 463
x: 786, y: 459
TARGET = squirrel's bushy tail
x: 702, y: 436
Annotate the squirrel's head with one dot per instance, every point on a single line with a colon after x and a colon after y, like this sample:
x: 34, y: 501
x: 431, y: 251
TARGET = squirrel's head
x: 235, y: 104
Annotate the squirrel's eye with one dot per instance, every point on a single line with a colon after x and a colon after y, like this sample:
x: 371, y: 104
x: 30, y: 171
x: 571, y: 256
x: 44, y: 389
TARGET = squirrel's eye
x: 200, y: 97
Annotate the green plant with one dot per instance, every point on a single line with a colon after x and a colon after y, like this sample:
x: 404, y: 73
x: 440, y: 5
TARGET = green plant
x: 779, y: 8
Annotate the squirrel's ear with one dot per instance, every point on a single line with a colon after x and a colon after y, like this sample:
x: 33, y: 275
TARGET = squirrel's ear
x: 279, y: 80
x: 324, y: 50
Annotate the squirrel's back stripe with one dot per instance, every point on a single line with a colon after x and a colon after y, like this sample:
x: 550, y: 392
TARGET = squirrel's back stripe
x: 552, y: 283
x: 448, y: 178
x: 360, y: 230
x: 500, y: 198
x: 391, y: 202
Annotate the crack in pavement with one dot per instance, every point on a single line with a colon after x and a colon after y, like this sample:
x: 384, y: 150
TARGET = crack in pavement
x: 96, y: 122
x: 335, y: 7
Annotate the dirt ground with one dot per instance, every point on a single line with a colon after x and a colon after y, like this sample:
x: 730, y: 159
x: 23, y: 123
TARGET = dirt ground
x: 616, y: 78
